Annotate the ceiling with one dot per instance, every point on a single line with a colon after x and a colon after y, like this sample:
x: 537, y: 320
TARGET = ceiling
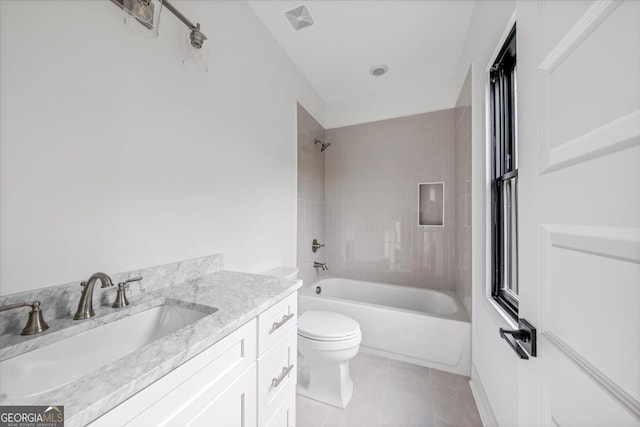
x: 418, y: 40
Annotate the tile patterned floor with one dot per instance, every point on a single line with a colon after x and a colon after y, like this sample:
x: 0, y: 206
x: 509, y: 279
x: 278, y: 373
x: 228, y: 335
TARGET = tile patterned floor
x: 388, y: 393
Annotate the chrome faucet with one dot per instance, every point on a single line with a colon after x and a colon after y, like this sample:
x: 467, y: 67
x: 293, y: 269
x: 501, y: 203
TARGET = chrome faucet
x: 85, y: 306
x: 321, y: 265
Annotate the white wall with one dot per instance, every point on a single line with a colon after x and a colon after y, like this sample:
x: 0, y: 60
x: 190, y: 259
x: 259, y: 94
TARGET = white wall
x: 114, y: 157
x: 494, y: 365
x: 406, y: 99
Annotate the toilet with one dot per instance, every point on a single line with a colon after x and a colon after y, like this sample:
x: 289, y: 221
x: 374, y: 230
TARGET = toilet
x: 327, y: 341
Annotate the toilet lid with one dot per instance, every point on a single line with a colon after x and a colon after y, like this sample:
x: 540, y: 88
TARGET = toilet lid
x: 326, y: 326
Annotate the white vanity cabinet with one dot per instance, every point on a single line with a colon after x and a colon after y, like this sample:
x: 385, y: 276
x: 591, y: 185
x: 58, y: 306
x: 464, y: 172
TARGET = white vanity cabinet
x: 247, y: 379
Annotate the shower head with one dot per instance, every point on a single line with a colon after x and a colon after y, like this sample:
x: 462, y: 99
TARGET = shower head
x: 323, y: 146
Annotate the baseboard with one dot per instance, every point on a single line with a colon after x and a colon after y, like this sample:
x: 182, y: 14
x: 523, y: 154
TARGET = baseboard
x: 482, y: 402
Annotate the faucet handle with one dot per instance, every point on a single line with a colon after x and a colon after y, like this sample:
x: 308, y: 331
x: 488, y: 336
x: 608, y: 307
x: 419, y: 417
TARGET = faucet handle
x: 35, y: 323
x: 133, y: 279
x: 315, y: 245
x: 121, y: 296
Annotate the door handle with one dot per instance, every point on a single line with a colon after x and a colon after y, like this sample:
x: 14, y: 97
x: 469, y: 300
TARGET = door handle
x: 522, y: 340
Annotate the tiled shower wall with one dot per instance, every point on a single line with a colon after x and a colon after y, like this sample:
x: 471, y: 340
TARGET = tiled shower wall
x: 310, y: 195
x: 462, y: 194
x: 372, y: 172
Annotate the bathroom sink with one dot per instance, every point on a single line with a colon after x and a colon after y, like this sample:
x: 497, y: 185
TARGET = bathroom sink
x: 52, y: 366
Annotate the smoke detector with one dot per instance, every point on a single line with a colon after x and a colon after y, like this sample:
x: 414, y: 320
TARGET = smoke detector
x: 299, y: 17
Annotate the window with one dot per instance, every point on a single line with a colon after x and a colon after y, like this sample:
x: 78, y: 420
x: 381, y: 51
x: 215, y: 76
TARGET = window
x: 504, y: 178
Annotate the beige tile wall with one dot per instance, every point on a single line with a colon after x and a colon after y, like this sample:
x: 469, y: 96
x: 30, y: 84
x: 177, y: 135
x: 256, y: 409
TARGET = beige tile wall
x: 310, y: 195
x: 372, y: 172
x: 462, y: 194
x: 360, y: 198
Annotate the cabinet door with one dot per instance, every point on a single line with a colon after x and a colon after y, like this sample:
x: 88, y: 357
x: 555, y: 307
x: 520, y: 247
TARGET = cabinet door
x: 182, y: 394
x: 234, y: 407
x: 285, y: 415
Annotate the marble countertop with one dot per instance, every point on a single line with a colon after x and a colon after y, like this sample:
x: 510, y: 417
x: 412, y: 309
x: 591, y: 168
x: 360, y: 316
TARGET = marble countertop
x: 238, y: 297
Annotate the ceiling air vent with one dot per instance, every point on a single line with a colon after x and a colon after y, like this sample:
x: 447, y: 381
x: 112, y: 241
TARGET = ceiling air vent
x: 299, y: 17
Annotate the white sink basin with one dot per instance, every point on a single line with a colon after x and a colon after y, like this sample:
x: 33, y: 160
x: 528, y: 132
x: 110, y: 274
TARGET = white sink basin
x: 57, y: 364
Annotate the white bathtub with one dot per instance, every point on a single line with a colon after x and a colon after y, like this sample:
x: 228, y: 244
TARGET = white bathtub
x: 420, y: 326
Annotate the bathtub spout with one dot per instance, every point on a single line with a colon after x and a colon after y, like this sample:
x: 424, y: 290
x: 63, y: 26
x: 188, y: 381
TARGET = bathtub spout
x: 321, y: 265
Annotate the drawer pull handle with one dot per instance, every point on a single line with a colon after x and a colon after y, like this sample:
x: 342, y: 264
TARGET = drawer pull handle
x: 285, y: 371
x: 284, y: 320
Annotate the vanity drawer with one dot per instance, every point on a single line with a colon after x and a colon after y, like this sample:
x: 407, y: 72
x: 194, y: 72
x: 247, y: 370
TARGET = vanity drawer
x: 277, y: 376
x: 276, y: 322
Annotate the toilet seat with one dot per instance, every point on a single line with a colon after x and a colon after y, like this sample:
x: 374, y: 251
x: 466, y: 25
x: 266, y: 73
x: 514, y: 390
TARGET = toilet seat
x: 327, y: 326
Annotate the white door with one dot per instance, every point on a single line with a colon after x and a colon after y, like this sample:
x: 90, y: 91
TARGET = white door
x: 579, y: 211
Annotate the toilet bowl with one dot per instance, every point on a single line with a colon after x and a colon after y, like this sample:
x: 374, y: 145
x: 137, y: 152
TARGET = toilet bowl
x: 327, y: 341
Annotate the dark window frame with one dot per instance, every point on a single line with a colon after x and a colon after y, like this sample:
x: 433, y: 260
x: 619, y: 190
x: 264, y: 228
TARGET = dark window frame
x: 504, y: 175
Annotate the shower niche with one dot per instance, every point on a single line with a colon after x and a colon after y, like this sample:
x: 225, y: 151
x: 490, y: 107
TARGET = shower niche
x: 431, y: 204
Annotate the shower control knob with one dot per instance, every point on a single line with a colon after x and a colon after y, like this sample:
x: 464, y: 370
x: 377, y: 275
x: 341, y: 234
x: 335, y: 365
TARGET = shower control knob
x: 315, y: 245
